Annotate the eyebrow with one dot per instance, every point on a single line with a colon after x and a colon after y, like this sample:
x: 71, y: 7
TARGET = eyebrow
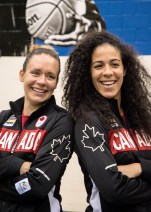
x: 100, y: 61
x: 39, y: 70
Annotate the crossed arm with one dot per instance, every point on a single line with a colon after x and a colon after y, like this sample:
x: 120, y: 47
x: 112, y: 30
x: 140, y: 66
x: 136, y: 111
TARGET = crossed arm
x: 25, y: 167
x: 132, y: 170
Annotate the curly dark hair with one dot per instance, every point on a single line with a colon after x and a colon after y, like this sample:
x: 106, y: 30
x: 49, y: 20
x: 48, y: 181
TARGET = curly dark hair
x: 80, y: 96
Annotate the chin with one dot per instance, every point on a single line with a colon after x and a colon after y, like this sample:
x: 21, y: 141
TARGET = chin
x: 108, y: 97
x: 111, y: 96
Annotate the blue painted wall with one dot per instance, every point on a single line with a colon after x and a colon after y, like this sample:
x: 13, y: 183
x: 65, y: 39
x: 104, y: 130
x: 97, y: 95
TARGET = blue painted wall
x: 130, y: 20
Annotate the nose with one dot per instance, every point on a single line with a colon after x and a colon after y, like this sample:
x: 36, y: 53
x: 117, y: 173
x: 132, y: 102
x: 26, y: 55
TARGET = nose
x: 107, y: 70
x: 41, y: 79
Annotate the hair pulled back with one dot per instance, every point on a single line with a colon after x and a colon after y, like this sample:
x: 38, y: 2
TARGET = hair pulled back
x: 35, y: 49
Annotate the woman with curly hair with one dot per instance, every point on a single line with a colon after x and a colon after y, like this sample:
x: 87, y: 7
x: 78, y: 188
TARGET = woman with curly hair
x: 107, y: 93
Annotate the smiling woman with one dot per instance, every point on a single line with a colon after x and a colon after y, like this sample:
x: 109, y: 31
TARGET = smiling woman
x: 107, y: 71
x: 107, y: 93
x: 37, y: 139
x: 40, y: 80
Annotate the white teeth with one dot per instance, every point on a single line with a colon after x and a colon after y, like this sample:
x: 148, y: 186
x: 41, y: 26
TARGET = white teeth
x: 39, y: 90
x: 108, y: 83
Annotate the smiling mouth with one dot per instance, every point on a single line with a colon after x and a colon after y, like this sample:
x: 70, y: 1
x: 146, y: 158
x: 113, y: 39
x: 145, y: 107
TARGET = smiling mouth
x: 108, y: 83
x: 39, y: 90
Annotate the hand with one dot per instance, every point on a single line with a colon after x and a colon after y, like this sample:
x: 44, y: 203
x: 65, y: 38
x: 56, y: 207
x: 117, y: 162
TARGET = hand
x: 25, y: 167
x: 132, y: 170
x: 82, y: 26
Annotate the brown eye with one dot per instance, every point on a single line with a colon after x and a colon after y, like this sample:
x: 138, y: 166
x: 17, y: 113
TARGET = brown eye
x: 115, y: 65
x: 35, y: 73
x: 51, y: 77
x: 98, y: 66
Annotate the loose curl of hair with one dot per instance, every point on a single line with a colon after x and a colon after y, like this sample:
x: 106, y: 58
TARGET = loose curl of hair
x: 80, y: 96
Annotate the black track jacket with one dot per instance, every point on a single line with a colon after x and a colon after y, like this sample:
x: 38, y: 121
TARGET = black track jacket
x: 100, y: 151
x: 46, y: 141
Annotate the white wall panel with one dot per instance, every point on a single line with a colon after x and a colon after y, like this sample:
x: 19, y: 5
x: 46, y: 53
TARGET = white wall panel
x: 73, y: 193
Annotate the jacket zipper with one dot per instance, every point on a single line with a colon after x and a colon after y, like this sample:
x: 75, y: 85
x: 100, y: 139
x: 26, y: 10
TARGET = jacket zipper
x: 15, y: 144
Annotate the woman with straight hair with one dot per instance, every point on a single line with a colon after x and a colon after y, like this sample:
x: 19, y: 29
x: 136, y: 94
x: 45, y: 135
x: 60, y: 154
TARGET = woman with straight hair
x: 35, y: 139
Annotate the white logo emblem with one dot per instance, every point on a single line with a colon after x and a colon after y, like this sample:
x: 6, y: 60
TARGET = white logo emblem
x: 65, y: 153
x: 22, y: 186
x: 96, y: 143
x: 41, y: 121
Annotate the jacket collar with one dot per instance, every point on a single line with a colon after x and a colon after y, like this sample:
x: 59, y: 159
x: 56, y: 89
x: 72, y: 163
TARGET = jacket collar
x: 17, y: 106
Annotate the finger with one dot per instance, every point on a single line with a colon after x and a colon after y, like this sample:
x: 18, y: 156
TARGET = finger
x: 71, y: 36
x: 60, y: 43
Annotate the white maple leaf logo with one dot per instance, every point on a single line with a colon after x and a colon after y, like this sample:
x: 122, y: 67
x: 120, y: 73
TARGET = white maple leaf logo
x: 88, y: 143
x: 64, y: 154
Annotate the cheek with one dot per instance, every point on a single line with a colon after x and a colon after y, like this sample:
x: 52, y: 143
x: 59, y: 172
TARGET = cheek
x: 93, y: 80
x: 53, y: 84
x: 120, y: 83
x: 122, y: 78
x: 93, y: 75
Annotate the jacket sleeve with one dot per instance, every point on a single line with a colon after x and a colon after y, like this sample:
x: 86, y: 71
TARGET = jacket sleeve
x: 10, y: 166
x: 47, y: 168
x: 146, y: 171
x: 91, y: 146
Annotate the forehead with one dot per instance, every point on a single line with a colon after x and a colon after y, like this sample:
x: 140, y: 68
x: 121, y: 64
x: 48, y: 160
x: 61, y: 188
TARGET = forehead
x: 42, y: 60
x: 42, y: 57
x: 106, y: 50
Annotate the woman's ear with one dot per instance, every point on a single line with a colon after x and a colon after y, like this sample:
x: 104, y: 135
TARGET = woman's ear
x: 124, y: 73
x: 21, y: 75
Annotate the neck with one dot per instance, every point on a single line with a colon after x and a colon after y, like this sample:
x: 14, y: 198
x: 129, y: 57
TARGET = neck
x: 120, y: 108
x: 29, y: 109
x: 121, y: 111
